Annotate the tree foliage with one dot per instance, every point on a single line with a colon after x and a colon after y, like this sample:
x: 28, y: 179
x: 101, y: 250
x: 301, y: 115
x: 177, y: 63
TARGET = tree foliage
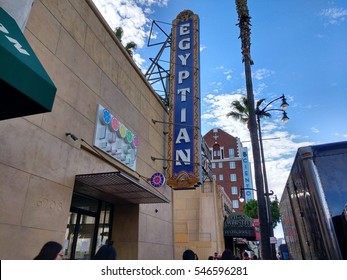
x: 240, y: 110
x: 129, y: 47
x: 251, y: 210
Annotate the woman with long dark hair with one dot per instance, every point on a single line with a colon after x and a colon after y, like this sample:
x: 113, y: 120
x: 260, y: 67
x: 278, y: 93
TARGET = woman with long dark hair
x: 50, y: 251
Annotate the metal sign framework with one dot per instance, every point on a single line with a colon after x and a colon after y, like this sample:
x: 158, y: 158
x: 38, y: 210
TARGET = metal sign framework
x: 157, y: 74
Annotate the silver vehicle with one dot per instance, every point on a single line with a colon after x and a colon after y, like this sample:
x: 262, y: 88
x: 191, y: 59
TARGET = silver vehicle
x: 314, y: 201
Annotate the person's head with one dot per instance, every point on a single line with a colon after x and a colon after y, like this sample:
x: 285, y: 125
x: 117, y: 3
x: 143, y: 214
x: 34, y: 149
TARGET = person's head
x: 245, y: 255
x: 227, y: 255
x: 50, y: 251
x: 189, y: 255
x: 106, y: 252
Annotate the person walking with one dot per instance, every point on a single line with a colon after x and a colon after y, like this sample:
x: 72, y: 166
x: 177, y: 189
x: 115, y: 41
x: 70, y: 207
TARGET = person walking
x: 189, y: 255
x: 245, y: 256
x: 227, y: 255
x: 106, y: 252
x: 50, y: 251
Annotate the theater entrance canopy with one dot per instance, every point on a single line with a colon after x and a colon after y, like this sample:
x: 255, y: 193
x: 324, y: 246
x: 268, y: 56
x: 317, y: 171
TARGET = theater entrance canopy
x: 238, y: 224
x: 25, y: 87
x: 117, y: 187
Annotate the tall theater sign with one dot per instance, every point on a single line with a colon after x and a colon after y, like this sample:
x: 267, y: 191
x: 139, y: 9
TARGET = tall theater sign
x: 184, y: 156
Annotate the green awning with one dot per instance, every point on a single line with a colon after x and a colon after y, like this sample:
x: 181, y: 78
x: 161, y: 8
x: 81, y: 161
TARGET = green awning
x: 25, y: 87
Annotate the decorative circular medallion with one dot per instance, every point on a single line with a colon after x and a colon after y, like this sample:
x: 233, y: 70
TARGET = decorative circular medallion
x: 157, y: 180
x: 122, y: 130
x: 135, y: 142
x: 105, y: 117
x: 129, y: 137
x: 114, y: 124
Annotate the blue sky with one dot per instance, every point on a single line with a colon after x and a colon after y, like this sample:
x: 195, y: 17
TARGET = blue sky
x: 299, y: 49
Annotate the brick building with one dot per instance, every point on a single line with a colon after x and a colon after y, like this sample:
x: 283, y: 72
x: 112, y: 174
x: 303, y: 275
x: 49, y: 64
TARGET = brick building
x: 230, y: 166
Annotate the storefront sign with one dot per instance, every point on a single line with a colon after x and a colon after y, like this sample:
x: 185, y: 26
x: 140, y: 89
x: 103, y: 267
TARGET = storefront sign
x: 184, y: 159
x: 26, y: 88
x: 256, y: 228
x: 238, y: 224
x: 115, y: 139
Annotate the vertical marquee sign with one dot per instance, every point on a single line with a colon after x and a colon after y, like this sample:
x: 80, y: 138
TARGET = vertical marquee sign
x: 184, y: 158
x: 246, y: 175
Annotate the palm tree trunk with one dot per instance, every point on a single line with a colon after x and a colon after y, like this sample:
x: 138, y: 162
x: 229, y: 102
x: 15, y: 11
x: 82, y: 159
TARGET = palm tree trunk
x: 244, y: 23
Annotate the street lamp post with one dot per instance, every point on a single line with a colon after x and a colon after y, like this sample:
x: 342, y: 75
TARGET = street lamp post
x: 259, y: 113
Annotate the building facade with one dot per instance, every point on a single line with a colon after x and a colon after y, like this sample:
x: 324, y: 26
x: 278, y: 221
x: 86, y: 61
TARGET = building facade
x: 80, y: 174
x: 230, y: 166
x: 85, y: 172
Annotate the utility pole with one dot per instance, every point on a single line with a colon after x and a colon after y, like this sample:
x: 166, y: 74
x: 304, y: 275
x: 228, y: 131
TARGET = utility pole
x: 245, y: 35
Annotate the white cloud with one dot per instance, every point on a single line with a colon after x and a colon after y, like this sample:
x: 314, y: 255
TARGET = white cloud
x: 279, y: 146
x: 228, y: 74
x: 159, y: 3
x: 334, y: 15
x: 262, y: 73
x: 127, y: 14
x: 314, y: 130
x: 139, y: 62
x: 133, y: 17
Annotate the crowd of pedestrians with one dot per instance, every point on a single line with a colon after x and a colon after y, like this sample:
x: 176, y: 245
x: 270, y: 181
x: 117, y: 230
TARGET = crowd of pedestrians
x: 53, y: 251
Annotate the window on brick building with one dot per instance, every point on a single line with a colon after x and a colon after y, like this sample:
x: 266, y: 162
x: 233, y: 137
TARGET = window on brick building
x: 221, y: 177
x: 233, y: 177
x: 216, y: 151
x: 232, y: 165
x: 231, y: 153
x: 221, y: 152
x: 220, y: 164
x: 213, y: 165
x: 235, y: 203
x: 234, y: 190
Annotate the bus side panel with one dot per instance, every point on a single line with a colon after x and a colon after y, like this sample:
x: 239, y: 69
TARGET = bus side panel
x: 289, y: 225
x: 331, y: 165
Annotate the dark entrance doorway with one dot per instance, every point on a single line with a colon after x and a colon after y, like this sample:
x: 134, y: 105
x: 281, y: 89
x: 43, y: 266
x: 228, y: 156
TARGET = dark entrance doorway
x: 89, y: 226
x: 238, y: 230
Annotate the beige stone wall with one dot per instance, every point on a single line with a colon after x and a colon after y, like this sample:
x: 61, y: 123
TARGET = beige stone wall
x: 198, y: 220
x: 38, y: 163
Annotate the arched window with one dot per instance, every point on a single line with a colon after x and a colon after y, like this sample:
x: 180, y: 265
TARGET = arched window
x: 216, y: 151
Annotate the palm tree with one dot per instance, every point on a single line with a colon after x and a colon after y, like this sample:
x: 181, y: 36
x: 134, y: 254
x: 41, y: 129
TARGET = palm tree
x: 245, y: 36
x: 241, y: 111
x: 130, y: 46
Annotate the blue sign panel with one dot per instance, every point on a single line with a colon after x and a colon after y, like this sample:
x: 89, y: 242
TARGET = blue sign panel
x: 184, y: 136
x: 247, y: 175
x: 183, y: 114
